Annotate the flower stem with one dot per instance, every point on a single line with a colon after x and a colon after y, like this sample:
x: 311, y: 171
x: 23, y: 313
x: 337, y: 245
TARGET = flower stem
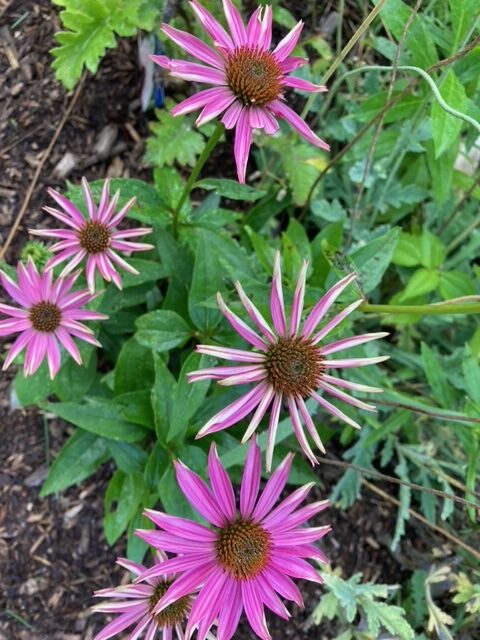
x: 214, y: 138
x: 438, y: 309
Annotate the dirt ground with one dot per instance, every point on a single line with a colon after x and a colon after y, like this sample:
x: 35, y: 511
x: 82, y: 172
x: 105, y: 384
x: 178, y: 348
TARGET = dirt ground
x: 53, y: 552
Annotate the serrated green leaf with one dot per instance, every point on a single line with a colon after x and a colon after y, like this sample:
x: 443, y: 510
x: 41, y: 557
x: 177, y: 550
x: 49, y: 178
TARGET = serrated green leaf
x: 231, y: 189
x: 173, y: 140
x: 455, y: 284
x: 91, y: 29
x: 372, y: 260
x: 78, y: 459
x: 422, y: 281
x: 391, y: 617
x: 301, y: 174
x: 408, y: 252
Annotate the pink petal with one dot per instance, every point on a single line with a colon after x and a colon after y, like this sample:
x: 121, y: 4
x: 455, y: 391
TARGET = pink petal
x: 353, y: 386
x: 335, y: 321
x: 284, y: 111
x: 270, y: 598
x: 347, y: 343
x: 36, y: 352
x: 181, y: 526
x: 214, y: 108
x: 303, y: 85
x: 299, y: 432
x: 307, y: 419
x: 232, y: 114
x: 259, y: 413
x: 295, y: 567
x: 254, y: 27
x: 179, y: 564
x: 14, y: 312
x: 219, y: 373
x: 212, y: 26
x: 14, y: 325
x: 273, y: 489
x: 254, y: 609
x: 244, y: 378
x: 320, y: 310
x: 277, y: 306
x: 284, y: 585
x: 348, y: 363
x: 129, y: 565
x: 231, y: 611
x: 231, y: 354
x: 20, y: 343
x: 184, y: 586
x: 131, y: 233
x: 292, y: 63
x: 294, y: 537
x: 265, y: 39
x: 87, y: 194
x: 121, y: 623
x: 240, y: 327
x: 66, y: 234
x: 334, y: 410
x: 53, y: 356
x: 14, y: 291
x: 121, y: 214
x: 200, y: 99
x: 242, y: 144
x: 255, y: 314
x: 285, y: 47
x: 198, y: 494
x: 210, y: 599
x: 221, y: 485
x: 250, y: 479
x: 270, y: 124
x: 168, y: 542
x: 298, y: 299
x: 302, y: 515
x: 197, y: 72
x: 345, y: 397
x: 104, y: 198
x: 235, y: 23
x: 67, y: 341
x: 281, y: 513
x: 234, y: 412
x: 194, y: 46
x: 64, y: 218
x: 272, y: 429
x: 68, y: 207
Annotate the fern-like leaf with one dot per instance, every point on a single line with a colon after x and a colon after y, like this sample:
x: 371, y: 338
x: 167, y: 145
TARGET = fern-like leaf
x: 91, y: 27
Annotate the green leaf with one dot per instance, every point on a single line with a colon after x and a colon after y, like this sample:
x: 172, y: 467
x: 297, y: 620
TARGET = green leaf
x: 162, y: 330
x: 372, y: 260
x: 33, y: 389
x: 122, y: 498
x: 441, y: 170
x: 74, y: 381
x: 129, y: 458
x: 405, y: 496
x: 172, y: 499
x: 206, y: 281
x: 463, y: 13
x: 445, y: 127
x: 423, y: 281
x: 173, y: 140
x: 455, y: 284
x: 100, y: 417
x: 135, y: 406
x: 391, y: 617
x: 91, y: 28
x: 78, y: 459
x: 231, y: 189
x: 188, y: 396
x: 300, y: 169
x: 471, y: 371
x: 134, y: 368
x: 163, y: 392
x: 432, y: 250
x: 149, y: 271
x: 435, y: 372
x: 408, y: 252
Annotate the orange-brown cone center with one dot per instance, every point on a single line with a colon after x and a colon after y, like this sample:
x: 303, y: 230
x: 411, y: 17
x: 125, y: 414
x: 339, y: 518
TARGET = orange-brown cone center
x: 254, y: 76
x: 294, y: 366
x: 243, y: 549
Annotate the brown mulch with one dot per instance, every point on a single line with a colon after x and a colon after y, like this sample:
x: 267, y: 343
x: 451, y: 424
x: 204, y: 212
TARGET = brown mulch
x: 53, y: 552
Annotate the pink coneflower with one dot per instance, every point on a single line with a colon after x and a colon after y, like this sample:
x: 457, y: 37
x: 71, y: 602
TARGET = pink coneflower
x: 135, y: 604
x: 50, y: 316
x: 94, y: 238
x: 289, y: 364
x: 249, y: 79
x: 249, y: 558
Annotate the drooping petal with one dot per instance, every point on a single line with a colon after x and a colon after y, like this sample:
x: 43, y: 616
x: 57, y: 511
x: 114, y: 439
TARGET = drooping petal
x: 353, y: 386
x: 284, y: 111
x: 259, y: 413
x: 254, y: 611
x: 307, y: 419
x: 335, y: 411
x: 348, y: 363
x: 231, y: 611
x: 232, y: 114
x: 242, y: 144
x: 299, y: 432
x: 215, y: 108
x: 345, y: 397
x: 272, y: 429
x: 199, y: 100
x: 197, y: 72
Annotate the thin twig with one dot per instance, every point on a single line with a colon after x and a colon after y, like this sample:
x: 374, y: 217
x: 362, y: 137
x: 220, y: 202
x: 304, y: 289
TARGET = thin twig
x: 418, y: 516
x: 39, y: 168
x: 412, y: 485
x: 379, y: 127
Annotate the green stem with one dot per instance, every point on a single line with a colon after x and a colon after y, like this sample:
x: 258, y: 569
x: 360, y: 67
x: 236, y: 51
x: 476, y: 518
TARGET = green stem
x: 209, y: 147
x: 438, y: 309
